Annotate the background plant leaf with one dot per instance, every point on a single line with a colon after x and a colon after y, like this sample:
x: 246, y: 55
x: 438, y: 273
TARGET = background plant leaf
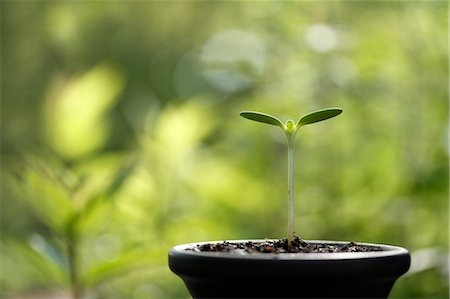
x: 46, y: 196
x: 18, y: 253
x: 98, y: 204
x: 129, y: 260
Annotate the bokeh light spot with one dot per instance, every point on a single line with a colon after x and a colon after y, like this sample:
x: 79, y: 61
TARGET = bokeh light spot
x: 233, y: 60
x: 321, y: 37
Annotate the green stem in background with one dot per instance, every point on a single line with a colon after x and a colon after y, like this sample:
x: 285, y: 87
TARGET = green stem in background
x: 75, y: 284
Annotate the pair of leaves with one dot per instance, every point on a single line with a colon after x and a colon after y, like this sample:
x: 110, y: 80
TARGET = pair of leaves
x: 46, y: 192
x: 307, y: 119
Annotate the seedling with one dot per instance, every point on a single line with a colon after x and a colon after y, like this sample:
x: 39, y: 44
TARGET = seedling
x: 290, y: 129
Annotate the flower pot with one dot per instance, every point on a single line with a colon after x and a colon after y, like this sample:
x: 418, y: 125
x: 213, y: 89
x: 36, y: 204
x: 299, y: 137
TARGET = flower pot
x: 289, y: 275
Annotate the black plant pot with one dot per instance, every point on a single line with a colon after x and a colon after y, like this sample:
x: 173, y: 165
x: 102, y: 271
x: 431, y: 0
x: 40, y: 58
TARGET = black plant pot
x: 289, y: 275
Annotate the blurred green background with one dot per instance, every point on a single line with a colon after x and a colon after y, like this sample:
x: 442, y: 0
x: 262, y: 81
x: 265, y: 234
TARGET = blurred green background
x: 121, y: 136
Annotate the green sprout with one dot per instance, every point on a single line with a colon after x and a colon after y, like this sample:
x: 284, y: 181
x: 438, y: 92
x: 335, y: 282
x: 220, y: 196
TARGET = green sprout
x: 290, y: 129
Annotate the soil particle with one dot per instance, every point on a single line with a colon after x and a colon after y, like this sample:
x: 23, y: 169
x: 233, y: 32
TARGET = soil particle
x: 281, y: 246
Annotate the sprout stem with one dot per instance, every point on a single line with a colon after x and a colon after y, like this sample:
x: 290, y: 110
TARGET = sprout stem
x: 291, y: 163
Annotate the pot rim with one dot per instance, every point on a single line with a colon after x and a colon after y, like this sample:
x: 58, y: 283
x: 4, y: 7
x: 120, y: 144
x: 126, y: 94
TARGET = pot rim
x: 386, y: 251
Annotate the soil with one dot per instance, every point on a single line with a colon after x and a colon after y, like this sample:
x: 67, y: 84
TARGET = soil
x: 281, y: 246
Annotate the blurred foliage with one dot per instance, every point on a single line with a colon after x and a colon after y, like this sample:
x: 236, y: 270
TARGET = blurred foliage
x: 121, y: 136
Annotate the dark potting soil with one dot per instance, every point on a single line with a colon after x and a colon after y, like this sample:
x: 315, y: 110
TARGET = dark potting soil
x: 281, y: 246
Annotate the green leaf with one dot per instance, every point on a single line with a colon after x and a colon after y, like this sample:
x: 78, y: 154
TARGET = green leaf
x: 262, y: 117
x: 319, y: 115
x: 18, y: 254
x: 128, y: 261
x: 47, y: 197
x: 98, y: 204
x: 120, y: 177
